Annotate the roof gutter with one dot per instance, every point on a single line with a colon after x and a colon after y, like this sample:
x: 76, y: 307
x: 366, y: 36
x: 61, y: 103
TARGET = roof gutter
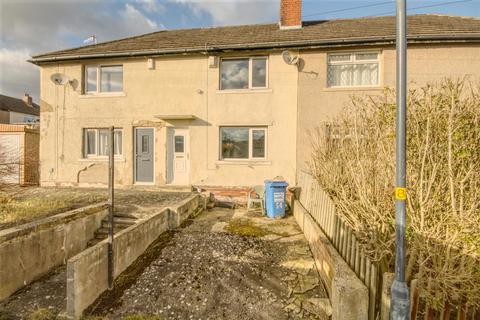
x: 303, y: 44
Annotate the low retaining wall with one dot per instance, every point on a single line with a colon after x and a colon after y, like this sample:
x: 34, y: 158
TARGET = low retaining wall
x: 31, y: 250
x: 87, y: 276
x: 348, y: 295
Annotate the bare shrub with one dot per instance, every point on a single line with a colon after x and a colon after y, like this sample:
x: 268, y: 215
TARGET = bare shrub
x: 354, y: 160
x: 7, y: 167
x: 41, y: 314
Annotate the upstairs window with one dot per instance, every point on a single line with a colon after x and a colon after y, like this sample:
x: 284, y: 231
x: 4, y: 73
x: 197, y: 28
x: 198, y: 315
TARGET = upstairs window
x: 243, y: 143
x: 103, y: 78
x: 95, y: 142
x: 359, y: 69
x: 244, y: 73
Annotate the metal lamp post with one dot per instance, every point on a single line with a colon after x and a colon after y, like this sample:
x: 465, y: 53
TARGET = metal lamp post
x: 111, y: 204
x: 400, y: 303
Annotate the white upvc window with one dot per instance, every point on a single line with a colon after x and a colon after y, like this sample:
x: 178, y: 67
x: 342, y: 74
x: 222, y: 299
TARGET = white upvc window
x: 95, y: 142
x: 103, y: 79
x: 243, y: 143
x: 353, y: 69
x: 244, y: 73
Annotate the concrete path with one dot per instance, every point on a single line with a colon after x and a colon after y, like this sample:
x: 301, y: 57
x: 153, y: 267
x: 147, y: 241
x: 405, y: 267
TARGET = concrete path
x: 225, y: 264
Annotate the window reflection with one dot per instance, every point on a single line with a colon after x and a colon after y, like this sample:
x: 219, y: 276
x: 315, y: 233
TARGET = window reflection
x: 234, y: 74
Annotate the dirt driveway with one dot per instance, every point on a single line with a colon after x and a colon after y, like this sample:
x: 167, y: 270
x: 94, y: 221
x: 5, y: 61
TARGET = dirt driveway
x: 225, y: 264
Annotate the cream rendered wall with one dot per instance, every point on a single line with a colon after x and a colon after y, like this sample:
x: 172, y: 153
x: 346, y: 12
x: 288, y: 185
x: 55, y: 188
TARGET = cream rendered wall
x: 318, y: 103
x: 177, y: 86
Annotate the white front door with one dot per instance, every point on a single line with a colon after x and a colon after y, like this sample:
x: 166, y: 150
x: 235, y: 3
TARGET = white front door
x: 178, y: 156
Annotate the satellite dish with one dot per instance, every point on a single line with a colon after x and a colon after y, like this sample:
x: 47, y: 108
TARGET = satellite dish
x: 289, y: 57
x: 59, y: 79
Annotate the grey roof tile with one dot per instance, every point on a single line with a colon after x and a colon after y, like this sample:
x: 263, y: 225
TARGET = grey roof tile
x: 269, y: 35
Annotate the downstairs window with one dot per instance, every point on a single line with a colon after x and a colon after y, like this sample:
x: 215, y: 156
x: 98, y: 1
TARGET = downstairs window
x: 95, y: 142
x: 243, y: 143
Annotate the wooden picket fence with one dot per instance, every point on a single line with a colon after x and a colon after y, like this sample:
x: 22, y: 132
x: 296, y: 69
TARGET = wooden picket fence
x: 319, y: 204
x: 419, y: 309
x: 321, y: 207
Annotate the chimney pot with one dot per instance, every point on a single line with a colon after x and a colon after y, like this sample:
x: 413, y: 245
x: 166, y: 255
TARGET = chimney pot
x: 290, y: 14
x: 27, y: 99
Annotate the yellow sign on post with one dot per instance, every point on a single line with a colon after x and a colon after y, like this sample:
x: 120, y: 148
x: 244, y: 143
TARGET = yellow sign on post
x: 400, y: 193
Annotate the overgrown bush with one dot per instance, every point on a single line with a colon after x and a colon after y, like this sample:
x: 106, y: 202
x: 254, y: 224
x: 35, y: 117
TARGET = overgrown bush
x: 7, y: 166
x: 354, y: 160
x: 41, y: 314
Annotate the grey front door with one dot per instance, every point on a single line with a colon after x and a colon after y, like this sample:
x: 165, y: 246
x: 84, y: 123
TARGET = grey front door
x: 144, y: 155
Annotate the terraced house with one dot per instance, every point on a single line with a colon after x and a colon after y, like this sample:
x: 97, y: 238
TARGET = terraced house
x: 228, y: 106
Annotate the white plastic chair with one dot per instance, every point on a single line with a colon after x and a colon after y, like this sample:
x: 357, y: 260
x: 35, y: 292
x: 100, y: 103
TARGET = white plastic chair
x: 256, y: 195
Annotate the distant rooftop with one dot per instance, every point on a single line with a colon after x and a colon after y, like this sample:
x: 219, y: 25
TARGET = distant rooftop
x: 422, y: 27
x: 18, y: 105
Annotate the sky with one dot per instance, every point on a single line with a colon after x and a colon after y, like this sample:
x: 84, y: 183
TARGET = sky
x: 29, y: 27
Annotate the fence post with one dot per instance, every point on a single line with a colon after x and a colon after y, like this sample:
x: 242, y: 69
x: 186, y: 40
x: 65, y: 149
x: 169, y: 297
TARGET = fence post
x: 111, y: 164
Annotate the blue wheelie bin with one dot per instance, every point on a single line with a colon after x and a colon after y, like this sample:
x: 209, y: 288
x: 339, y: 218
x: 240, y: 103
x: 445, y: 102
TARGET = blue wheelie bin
x: 275, y: 198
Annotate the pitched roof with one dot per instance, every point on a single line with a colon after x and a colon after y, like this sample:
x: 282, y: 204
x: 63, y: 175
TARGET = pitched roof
x: 18, y: 105
x: 326, y: 32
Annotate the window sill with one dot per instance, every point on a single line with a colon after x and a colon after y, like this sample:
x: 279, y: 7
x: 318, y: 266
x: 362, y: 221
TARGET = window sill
x: 102, y: 95
x: 244, y: 91
x: 101, y: 159
x: 243, y: 162
x: 372, y: 88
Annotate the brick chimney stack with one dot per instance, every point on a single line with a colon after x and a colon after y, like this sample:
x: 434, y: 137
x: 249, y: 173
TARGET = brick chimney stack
x: 27, y: 99
x: 290, y: 14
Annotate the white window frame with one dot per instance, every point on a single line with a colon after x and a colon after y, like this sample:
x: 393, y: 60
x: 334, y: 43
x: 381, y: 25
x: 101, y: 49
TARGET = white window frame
x: 97, y: 143
x: 99, y: 77
x: 353, y: 61
x: 250, y: 143
x: 250, y: 72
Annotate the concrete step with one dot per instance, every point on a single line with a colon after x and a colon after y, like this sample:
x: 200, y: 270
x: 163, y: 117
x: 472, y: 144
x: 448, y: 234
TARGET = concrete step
x: 124, y: 215
x: 100, y: 236
x: 104, y: 230
x: 94, y: 241
x: 120, y: 222
x: 123, y: 223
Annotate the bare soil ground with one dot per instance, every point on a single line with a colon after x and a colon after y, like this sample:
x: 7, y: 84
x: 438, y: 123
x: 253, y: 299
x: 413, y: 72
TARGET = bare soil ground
x: 225, y: 264
x: 20, y: 205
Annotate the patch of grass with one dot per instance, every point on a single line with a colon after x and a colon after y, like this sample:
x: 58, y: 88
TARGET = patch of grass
x: 41, y: 314
x: 5, y: 198
x: 142, y: 317
x: 22, y: 209
x: 245, y: 228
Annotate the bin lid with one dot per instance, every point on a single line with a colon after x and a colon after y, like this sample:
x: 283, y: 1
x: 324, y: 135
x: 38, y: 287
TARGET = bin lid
x: 276, y: 183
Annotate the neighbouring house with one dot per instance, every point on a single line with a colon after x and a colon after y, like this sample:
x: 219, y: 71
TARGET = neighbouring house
x: 19, y: 154
x: 227, y: 106
x: 18, y: 111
